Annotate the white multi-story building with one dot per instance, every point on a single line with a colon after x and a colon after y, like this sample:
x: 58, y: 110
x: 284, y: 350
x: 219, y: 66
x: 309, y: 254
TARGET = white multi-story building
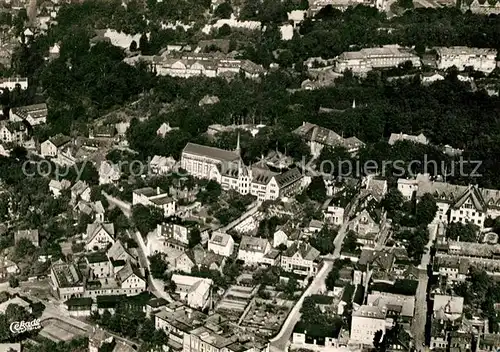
x: 99, y: 236
x: 365, y: 60
x: 407, y: 187
x: 193, y: 65
x: 480, y: 59
x: 395, y: 137
x: 221, y: 243
x: 66, y: 280
x: 34, y: 114
x: 173, y: 231
x: 12, y: 83
x: 157, y: 198
x: 461, y: 203
x: 194, y: 291
x: 366, y: 321
x: 227, y: 169
x: 253, y: 249
x: 301, y: 258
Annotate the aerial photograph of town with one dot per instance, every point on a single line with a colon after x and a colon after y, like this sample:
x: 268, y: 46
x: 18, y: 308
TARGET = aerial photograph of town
x: 249, y: 175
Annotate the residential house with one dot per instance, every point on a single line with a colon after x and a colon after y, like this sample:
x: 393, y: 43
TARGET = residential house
x: 279, y: 238
x: 66, y: 280
x: 14, y: 132
x: 315, y: 226
x: 109, y: 173
x: 221, y: 243
x: 431, y: 77
x: 16, y: 301
x: 131, y: 279
x: 175, y: 235
x: 80, y: 190
x: 366, y: 321
x: 480, y: 59
x: 366, y: 228
x: 420, y: 139
x: 118, y: 252
x: 157, y: 198
x: 452, y: 268
x: 13, y: 83
x: 333, y: 211
x: 318, y: 137
x: 30, y: 235
x: 396, y: 304
x: 194, y: 291
x: 56, y: 187
x: 34, y: 114
x: 8, y: 268
x: 253, y: 249
x: 177, y: 323
x: 164, y: 129
x: 407, y: 188
x: 161, y: 165
x: 198, y: 257
x: 301, y: 258
x: 448, y: 308
x: 99, y: 236
x: 55, y: 145
x: 99, y: 265
x: 11, y: 347
x: 94, y: 210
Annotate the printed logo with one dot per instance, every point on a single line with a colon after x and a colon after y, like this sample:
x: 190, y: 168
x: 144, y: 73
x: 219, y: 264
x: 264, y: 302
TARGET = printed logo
x: 17, y: 327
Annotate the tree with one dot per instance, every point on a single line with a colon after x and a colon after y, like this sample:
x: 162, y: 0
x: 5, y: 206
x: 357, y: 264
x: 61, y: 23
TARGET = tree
x: 146, y: 218
x: 13, y: 281
x: 464, y: 232
x: 350, y: 244
x: 426, y: 209
x: 24, y: 248
x: 144, y: 44
x: 323, y: 240
x: 194, y: 237
x: 224, y: 30
x: 133, y: 46
x: 332, y: 277
x: 317, y: 189
x: 291, y: 287
x: 224, y: 10
x: 393, y: 202
x: 158, y: 266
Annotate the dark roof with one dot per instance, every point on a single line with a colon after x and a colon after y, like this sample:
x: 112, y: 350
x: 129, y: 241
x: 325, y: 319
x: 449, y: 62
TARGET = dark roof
x: 210, y: 152
x: 79, y: 302
x: 96, y: 257
x: 59, y: 140
x: 288, y: 177
x: 305, y: 250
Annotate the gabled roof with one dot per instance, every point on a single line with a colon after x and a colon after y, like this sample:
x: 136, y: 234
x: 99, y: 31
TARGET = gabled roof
x: 59, y: 140
x: 79, y: 187
x: 94, y: 228
x: 127, y: 271
x: 35, y: 110
x: 220, y: 238
x: 253, y: 244
x: 287, y: 178
x: 211, y: 152
x: 117, y: 250
x: 306, y: 251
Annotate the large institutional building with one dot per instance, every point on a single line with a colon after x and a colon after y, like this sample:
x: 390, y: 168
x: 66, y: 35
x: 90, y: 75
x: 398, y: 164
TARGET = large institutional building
x: 365, y: 60
x: 480, y: 59
x: 464, y: 204
x: 227, y: 168
x: 191, y: 65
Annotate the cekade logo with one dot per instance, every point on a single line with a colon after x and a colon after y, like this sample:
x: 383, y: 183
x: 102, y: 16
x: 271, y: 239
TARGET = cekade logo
x: 23, y: 326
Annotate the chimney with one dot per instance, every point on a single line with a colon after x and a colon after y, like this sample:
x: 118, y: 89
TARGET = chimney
x: 157, y: 190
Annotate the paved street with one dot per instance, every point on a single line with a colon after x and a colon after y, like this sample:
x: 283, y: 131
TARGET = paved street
x: 279, y: 343
x: 155, y: 286
x: 420, y: 318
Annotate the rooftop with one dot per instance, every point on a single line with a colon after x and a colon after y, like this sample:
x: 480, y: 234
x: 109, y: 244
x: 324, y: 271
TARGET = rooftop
x: 210, y: 152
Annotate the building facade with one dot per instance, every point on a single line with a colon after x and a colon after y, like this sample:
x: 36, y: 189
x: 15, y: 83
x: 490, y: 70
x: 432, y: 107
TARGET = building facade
x: 479, y: 59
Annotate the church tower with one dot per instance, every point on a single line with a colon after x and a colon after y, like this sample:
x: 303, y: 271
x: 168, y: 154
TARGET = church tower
x: 238, y: 149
